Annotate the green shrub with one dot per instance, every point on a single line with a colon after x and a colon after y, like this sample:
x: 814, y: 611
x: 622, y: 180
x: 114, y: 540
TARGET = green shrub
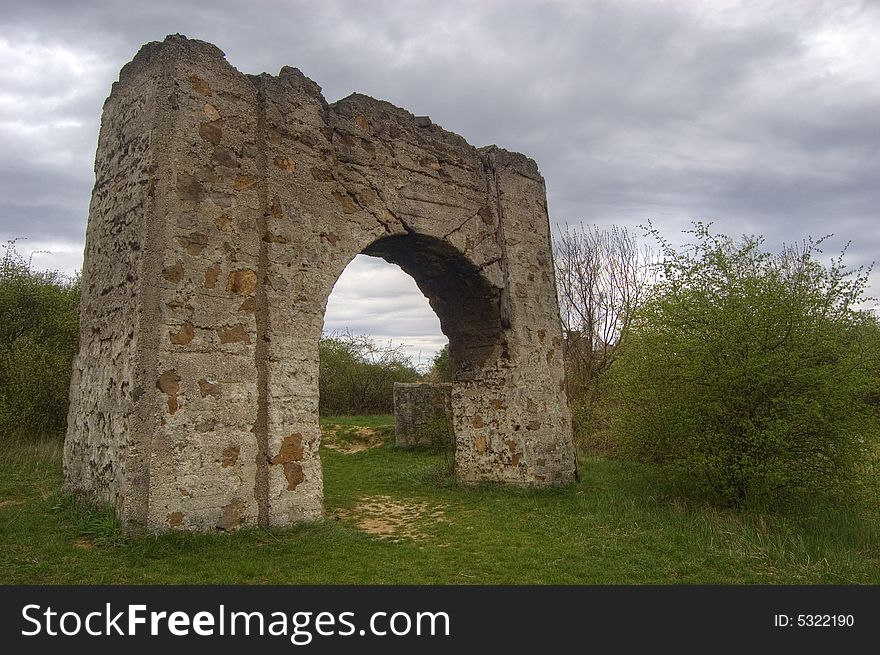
x: 441, y: 366
x: 358, y: 375
x: 747, y: 376
x: 38, y: 336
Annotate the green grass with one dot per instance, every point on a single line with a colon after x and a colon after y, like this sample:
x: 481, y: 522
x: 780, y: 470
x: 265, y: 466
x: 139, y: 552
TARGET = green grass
x: 375, y: 421
x: 615, y: 526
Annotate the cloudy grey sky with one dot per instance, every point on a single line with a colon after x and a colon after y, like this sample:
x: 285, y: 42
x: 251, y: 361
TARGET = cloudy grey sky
x: 762, y: 116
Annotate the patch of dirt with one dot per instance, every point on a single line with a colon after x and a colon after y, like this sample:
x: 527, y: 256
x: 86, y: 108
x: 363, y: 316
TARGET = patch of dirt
x: 350, y: 439
x: 84, y: 543
x: 389, y: 518
x: 10, y: 503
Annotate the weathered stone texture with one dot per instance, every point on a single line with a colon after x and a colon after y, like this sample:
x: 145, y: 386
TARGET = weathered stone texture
x: 422, y: 413
x: 225, y: 208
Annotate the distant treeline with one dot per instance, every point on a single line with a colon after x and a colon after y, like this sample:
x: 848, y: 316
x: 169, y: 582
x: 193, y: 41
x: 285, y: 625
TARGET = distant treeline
x: 358, y: 375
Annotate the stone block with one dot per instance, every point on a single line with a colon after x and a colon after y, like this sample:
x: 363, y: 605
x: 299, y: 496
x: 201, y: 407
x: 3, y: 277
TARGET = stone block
x: 423, y: 414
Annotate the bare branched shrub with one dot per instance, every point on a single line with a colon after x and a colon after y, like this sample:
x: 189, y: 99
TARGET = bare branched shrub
x: 602, y: 276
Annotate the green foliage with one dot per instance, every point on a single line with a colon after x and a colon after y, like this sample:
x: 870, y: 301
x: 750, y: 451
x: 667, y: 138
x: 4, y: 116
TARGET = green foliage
x: 746, y: 375
x: 358, y: 375
x: 38, y: 337
x: 441, y: 366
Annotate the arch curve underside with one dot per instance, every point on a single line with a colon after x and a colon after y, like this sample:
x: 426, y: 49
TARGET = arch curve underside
x: 225, y: 208
x: 467, y: 304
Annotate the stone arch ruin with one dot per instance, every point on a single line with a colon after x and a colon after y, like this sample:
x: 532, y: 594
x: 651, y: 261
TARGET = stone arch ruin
x: 225, y: 207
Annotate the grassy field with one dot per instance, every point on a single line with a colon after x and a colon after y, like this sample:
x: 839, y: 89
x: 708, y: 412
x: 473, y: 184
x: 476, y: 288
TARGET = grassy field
x: 394, y: 517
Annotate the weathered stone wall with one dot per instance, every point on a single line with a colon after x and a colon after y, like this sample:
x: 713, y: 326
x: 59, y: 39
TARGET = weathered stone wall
x: 105, y: 459
x: 225, y: 208
x: 422, y: 413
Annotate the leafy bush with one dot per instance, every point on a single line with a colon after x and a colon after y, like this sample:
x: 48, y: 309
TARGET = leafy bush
x: 441, y: 366
x: 38, y: 336
x: 747, y: 375
x: 358, y: 375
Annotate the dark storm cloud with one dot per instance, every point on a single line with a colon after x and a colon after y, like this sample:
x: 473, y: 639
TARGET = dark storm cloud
x: 761, y: 116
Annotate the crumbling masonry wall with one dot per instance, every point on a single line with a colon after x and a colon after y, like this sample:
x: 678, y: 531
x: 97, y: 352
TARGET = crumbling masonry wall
x: 422, y: 413
x: 225, y: 207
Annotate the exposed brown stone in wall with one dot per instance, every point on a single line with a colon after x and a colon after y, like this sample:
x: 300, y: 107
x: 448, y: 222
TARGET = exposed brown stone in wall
x: 293, y: 473
x: 345, y: 201
x: 230, y: 455
x: 234, y: 334
x: 243, y: 182
x: 231, y: 515
x: 291, y: 450
x: 169, y: 384
x: 173, y: 273
x: 209, y: 388
x: 242, y: 281
x: 194, y: 243
x: 223, y: 223
x: 211, y: 276
x: 211, y: 132
x: 289, y: 456
x: 183, y: 336
x: 284, y: 164
x: 199, y: 85
x: 189, y: 188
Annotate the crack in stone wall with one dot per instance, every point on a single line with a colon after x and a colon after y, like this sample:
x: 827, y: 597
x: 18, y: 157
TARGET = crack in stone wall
x: 261, y: 315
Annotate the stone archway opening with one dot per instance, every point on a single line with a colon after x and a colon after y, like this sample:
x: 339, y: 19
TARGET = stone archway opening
x: 467, y: 307
x: 375, y: 298
x: 380, y: 335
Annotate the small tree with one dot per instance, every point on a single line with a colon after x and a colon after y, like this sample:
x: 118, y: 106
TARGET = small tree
x: 602, y: 276
x: 747, y: 375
